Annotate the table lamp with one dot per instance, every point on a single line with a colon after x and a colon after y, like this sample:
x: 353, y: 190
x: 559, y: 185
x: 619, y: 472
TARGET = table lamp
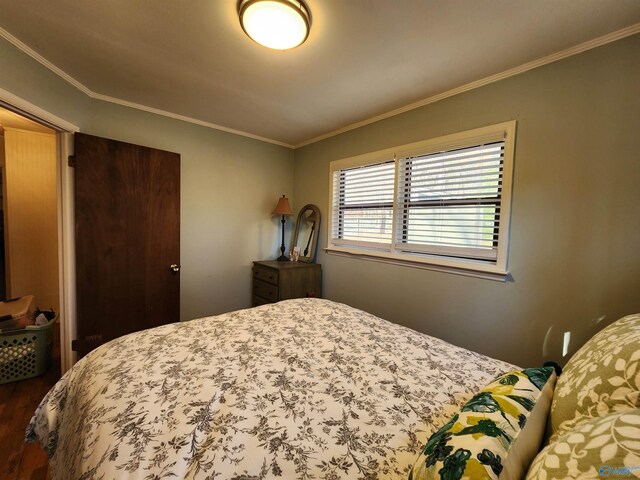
x: 282, y: 208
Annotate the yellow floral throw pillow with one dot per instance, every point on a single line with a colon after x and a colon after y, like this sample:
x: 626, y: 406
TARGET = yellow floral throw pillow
x: 475, y: 443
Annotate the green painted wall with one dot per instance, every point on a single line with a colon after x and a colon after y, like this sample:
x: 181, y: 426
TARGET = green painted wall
x: 229, y: 183
x: 575, y: 225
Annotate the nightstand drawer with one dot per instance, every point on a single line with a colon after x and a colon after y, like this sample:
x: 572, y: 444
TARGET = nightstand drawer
x: 265, y: 290
x: 274, y: 281
x: 265, y: 274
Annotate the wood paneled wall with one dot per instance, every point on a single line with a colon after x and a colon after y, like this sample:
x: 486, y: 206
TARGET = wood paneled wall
x: 31, y: 216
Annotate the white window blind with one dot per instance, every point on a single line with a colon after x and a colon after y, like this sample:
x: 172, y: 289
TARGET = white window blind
x: 442, y: 203
x: 449, y: 202
x: 363, y: 205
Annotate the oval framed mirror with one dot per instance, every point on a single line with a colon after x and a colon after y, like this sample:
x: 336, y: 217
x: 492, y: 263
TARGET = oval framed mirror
x: 305, y: 233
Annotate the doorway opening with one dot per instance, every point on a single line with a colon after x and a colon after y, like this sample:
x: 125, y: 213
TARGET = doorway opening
x: 29, y: 213
x: 28, y: 169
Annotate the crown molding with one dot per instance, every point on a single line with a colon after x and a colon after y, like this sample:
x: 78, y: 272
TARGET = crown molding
x: 24, y: 48
x: 184, y: 118
x: 106, y: 98
x: 582, y: 47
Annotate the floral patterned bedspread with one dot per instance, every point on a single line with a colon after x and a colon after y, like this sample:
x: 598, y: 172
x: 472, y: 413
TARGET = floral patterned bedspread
x: 302, y: 389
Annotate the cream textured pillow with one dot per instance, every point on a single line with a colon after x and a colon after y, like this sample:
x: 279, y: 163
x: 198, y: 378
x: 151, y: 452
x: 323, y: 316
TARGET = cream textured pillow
x: 601, y: 447
x: 601, y: 378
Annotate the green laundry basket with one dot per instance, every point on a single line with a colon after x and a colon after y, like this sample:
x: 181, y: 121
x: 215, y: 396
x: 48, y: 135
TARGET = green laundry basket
x: 27, y: 352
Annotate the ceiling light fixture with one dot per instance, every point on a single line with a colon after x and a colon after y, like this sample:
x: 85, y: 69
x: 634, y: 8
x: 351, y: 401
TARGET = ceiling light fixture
x: 277, y: 24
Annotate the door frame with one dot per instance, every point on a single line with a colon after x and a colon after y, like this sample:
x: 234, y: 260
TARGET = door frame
x: 66, y: 220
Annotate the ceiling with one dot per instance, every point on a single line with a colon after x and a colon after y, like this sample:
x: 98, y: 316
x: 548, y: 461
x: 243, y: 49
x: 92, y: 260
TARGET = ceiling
x: 364, y: 59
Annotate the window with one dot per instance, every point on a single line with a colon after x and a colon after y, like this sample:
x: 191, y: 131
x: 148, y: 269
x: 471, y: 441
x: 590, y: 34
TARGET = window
x: 363, y: 206
x: 442, y: 203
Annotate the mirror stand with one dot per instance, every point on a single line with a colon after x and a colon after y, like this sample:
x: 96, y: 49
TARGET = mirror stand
x: 305, y: 233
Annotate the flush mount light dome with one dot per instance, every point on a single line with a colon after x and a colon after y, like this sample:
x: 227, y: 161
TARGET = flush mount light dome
x: 277, y: 24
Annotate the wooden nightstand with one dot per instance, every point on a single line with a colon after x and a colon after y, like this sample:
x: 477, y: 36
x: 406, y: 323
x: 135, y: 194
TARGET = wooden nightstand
x: 274, y: 281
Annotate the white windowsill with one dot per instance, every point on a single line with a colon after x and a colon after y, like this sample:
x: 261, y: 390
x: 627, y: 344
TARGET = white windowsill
x: 448, y: 265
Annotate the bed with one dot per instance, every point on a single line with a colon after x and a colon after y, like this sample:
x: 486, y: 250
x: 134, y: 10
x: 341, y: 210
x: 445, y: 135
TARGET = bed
x: 306, y: 388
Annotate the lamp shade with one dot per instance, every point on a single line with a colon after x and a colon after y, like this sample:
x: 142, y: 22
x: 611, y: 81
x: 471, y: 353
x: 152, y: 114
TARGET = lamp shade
x: 277, y: 24
x: 283, y: 207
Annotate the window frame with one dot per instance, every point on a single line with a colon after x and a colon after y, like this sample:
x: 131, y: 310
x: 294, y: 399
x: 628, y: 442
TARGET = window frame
x: 367, y: 244
x: 496, y: 270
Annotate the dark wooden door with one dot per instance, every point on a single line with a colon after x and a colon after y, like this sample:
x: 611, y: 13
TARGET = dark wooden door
x: 127, y: 212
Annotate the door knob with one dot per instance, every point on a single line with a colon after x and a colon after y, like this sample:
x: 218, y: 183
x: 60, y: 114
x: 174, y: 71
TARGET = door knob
x: 174, y: 267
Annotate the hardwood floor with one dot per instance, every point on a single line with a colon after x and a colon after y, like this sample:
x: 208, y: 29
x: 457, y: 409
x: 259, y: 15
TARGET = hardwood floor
x: 18, y: 401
